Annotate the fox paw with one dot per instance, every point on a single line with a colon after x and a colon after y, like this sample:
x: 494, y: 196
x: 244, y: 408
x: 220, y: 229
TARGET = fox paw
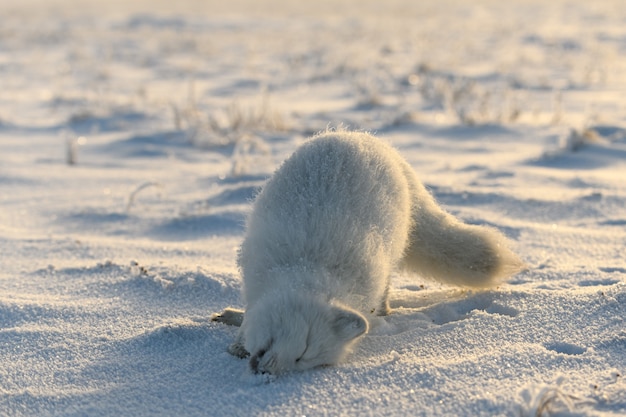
x: 237, y: 349
x: 229, y: 316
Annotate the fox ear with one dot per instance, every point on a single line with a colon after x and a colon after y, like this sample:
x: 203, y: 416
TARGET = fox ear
x: 348, y: 324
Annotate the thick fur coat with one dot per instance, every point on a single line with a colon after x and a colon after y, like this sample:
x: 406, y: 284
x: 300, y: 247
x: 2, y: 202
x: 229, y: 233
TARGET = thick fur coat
x: 325, y: 233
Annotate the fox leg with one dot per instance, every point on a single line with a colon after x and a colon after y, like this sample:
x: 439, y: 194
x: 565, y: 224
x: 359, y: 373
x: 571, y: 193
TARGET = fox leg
x: 384, y: 308
x: 233, y: 317
x: 237, y: 349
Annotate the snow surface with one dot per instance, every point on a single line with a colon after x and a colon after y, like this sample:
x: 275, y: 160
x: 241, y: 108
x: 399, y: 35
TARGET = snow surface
x: 134, y: 134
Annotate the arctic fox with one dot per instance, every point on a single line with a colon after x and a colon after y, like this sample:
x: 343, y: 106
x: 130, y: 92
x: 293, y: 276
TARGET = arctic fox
x: 324, y: 235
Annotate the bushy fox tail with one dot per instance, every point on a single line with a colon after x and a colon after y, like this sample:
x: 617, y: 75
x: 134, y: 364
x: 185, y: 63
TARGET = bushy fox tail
x: 459, y: 254
x: 443, y: 248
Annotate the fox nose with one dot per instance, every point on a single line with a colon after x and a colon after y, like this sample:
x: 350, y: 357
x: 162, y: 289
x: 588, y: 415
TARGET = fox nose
x: 254, y: 361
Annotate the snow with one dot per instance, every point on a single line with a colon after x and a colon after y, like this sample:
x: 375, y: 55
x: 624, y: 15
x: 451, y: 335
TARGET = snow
x: 133, y: 136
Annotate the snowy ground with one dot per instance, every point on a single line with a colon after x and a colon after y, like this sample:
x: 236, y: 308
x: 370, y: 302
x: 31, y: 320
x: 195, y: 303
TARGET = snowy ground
x: 134, y: 134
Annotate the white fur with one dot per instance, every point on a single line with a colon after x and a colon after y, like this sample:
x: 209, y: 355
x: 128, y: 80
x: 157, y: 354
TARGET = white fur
x: 324, y: 235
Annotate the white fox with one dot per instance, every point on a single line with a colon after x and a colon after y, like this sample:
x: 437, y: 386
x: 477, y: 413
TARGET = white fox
x: 324, y: 235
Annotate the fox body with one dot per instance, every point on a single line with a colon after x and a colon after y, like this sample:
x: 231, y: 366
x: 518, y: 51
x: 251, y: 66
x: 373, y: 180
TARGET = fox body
x: 325, y: 233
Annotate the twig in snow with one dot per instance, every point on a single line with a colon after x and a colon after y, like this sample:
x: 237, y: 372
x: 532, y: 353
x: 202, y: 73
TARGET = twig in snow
x: 133, y: 195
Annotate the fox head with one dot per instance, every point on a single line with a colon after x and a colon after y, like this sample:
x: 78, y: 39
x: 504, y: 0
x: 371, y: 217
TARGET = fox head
x: 287, y: 332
